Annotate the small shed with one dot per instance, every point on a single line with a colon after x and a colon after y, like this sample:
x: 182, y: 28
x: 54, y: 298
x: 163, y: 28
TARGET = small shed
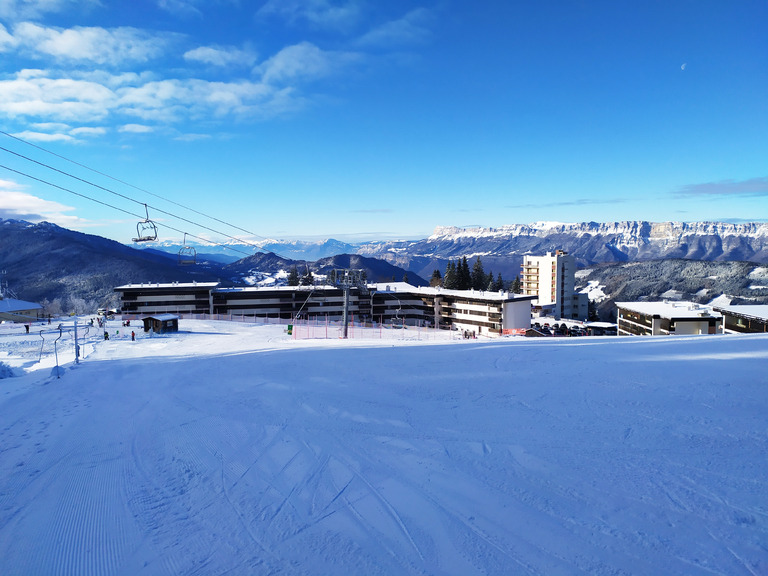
x: 161, y: 323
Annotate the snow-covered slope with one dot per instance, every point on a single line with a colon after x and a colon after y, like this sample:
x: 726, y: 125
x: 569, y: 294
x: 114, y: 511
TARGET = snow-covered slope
x: 231, y: 449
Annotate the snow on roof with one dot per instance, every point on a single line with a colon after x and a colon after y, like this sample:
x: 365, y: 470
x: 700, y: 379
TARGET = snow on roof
x: 162, y: 317
x: 13, y: 305
x: 430, y: 291
x: 168, y: 285
x: 759, y: 311
x: 394, y: 287
x: 677, y: 309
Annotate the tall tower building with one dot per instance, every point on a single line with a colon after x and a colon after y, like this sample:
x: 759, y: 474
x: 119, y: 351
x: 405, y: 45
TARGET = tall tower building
x: 551, y: 279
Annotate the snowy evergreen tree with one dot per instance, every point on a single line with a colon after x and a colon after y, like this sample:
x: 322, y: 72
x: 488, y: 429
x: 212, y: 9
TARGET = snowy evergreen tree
x: 436, y: 279
x: 449, y: 280
x: 516, y: 287
x: 463, y: 276
x: 293, y: 277
x: 479, y: 281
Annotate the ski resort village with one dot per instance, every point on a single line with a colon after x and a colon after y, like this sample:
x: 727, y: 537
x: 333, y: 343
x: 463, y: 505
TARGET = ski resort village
x: 350, y: 427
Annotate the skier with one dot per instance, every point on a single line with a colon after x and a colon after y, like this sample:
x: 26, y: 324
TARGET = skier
x: 133, y: 336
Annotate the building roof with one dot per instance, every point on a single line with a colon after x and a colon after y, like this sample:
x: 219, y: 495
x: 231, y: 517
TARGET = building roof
x: 670, y: 310
x: 395, y: 288
x: 161, y: 317
x: 8, y: 305
x: 756, y: 311
x: 168, y: 285
x: 498, y: 296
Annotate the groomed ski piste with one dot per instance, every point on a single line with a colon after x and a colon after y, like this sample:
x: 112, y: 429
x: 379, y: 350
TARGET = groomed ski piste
x: 231, y: 448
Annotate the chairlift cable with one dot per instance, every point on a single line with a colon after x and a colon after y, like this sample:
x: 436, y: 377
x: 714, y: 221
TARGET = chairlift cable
x: 155, y: 208
x: 123, y: 210
x: 131, y: 185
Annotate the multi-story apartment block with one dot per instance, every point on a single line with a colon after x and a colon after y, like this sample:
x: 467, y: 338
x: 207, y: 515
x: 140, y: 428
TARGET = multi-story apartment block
x: 551, y: 279
x: 481, y: 312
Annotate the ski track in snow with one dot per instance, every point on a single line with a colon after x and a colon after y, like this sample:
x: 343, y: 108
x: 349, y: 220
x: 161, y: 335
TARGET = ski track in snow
x: 231, y: 449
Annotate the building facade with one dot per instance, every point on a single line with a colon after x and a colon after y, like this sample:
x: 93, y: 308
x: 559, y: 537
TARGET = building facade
x: 552, y: 280
x: 171, y: 298
x: 479, y: 312
x: 741, y: 319
x: 665, y: 318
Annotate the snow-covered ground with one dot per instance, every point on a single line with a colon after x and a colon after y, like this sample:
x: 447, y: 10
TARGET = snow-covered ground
x: 232, y: 449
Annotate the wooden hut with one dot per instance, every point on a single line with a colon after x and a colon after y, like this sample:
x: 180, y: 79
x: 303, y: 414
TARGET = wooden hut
x: 161, y: 323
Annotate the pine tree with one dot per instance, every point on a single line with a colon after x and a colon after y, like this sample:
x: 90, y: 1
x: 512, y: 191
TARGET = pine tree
x: 405, y: 277
x: 436, y: 280
x: 450, y: 280
x: 499, y: 285
x: 516, y: 288
x: 478, y: 279
x: 490, y: 281
x: 293, y: 277
x: 463, y: 276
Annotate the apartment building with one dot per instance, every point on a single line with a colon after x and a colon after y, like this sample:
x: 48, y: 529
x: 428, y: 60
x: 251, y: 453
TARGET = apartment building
x: 480, y: 312
x: 665, y: 318
x: 551, y: 280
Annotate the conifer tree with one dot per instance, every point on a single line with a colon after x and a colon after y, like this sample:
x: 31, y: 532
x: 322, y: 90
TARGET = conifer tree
x: 436, y: 280
x: 449, y: 280
x: 499, y: 285
x: 405, y: 277
x: 516, y: 288
x: 307, y: 279
x: 490, y: 281
x: 293, y: 277
x: 464, y: 278
x: 478, y: 279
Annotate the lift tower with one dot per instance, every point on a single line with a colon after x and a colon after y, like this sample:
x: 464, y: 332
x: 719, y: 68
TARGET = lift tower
x: 346, y: 279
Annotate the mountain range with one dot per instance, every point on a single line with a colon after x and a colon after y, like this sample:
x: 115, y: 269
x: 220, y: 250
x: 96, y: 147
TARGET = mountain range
x: 43, y: 262
x: 502, y: 249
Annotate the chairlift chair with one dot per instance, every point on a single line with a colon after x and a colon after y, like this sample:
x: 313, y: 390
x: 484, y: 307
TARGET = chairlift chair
x: 187, y: 254
x: 146, y: 230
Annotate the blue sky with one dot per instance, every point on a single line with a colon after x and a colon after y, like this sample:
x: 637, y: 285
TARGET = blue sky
x: 378, y: 119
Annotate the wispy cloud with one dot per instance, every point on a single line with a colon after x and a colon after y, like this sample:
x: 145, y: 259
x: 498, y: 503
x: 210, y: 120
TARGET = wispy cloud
x: 304, y: 61
x: 576, y: 202
x: 105, y: 46
x: 15, y: 10
x: 221, y: 56
x: 411, y: 28
x: 317, y: 13
x: 750, y: 187
x: 135, y: 128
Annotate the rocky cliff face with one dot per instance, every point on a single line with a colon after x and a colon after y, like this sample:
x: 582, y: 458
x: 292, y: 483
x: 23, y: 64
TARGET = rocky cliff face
x: 590, y: 242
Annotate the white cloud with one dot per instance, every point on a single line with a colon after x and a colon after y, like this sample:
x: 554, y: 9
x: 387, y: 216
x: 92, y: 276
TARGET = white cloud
x: 33, y: 136
x: 180, y: 7
x: 7, y: 41
x: 25, y: 9
x: 15, y: 204
x: 412, y: 28
x: 136, y: 128
x: 223, y: 57
x: 88, y: 131
x: 318, y: 13
x: 93, y: 44
x: 57, y: 99
x: 304, y: 61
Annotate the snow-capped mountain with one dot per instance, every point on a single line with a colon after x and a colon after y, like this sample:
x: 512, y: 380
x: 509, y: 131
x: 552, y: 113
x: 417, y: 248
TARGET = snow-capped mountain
x: 590, y: 242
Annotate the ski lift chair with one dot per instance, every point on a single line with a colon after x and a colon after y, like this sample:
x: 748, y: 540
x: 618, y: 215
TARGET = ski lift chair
x: 146, y: 230
x: 187, y: 254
